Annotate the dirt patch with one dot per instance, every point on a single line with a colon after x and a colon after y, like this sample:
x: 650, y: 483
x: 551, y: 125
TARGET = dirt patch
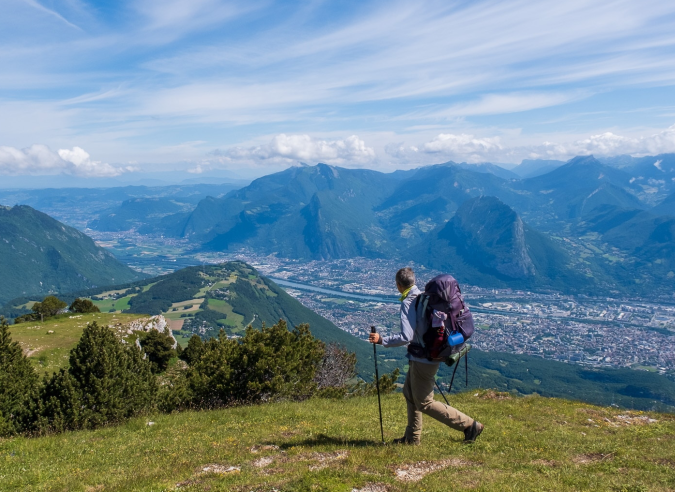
x: 372, y: 487
x: 220, y: 469
x: 630, y: 419
x: 320, y: 460
x: 417, y: 471
x: 325, y: 459
x: 29, y: 352
x: 176, y: 324
x: 264, y: 447
x: 586, y: 459
x: 493, y: 395
x: 666, y: 462
x: 263, y: 462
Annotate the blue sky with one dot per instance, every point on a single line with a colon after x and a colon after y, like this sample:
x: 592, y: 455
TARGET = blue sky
x: 101, y: 88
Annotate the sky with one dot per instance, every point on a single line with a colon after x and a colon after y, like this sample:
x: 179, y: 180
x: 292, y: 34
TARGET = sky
x: 108, y: 88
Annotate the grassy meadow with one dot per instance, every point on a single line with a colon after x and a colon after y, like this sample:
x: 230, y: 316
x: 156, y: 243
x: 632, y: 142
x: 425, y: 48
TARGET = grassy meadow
x: 49, y: 351
x: 530, y: 443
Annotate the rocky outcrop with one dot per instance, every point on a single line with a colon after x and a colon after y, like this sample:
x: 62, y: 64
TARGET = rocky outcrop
x: 158, y: 323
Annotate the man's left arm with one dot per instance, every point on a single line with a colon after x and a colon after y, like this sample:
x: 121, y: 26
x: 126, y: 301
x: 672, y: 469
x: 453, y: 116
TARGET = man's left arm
x: 407, y: 327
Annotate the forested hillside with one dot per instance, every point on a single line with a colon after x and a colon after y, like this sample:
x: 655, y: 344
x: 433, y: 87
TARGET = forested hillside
x: 39, y: 255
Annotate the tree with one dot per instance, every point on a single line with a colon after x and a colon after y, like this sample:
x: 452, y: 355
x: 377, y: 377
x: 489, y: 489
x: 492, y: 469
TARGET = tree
x: 50, y: 306
x: 83, y: 306
x: 105, y: 383
x: 18, y: 384
x: 193, y: 351
x: 158, y: 347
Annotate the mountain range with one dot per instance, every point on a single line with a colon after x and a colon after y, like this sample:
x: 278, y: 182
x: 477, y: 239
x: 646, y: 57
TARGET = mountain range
x: 325, y: 212
x: 586, y: 225
x: 39, y: 255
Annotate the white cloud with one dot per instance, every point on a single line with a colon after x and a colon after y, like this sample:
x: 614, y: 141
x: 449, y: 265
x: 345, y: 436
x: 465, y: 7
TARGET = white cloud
x: 40, y: 159
x: 608, y: 144
x: 461, y: 144
x: 471, y: 148
x: 304, y: 148
x: 460, y: 147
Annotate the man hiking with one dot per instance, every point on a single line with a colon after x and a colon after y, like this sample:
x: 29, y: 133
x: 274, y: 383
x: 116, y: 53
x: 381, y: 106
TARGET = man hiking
x: 418, y: 389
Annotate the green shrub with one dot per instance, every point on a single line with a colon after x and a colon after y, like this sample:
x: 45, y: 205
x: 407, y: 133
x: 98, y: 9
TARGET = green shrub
x: 84, y: 306
x: 18, y: 384
x: 193, y: 351
x: 387, y: 385
x: 264, y: 364
x: 106, y: 382
x: 158, y: 348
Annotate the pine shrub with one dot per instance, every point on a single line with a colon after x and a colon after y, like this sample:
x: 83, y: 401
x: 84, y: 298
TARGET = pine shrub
x: 265, y: 364
x: 18, y: 384
x: 193, y: 351
x: 158, y: 347
x: 106, y: 382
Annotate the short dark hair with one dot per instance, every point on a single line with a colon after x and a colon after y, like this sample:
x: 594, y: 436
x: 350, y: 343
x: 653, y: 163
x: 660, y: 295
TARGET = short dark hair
x: 405, y: 277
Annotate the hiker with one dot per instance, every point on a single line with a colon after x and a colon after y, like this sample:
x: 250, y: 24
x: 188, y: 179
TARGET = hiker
x: 418, y: 389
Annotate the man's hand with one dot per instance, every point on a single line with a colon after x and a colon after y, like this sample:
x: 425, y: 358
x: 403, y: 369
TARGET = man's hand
x: 375, y: 338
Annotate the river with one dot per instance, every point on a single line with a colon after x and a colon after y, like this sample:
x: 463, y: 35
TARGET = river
x: 336, y: 293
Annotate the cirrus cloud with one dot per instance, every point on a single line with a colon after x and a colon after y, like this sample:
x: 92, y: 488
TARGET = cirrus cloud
x: 40, y: 159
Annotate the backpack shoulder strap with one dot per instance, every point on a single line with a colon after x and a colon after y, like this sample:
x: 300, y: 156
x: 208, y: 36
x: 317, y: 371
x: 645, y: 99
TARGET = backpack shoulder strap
x: 421, y: 306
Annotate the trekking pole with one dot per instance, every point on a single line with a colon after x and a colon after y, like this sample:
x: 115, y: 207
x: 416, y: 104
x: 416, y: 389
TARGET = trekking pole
x: 377, y: 383
x: 453, y: 377
x: 466, y: 368
x: 442, y: 394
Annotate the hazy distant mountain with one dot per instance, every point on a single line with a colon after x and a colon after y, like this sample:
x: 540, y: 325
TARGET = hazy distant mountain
x: 487, y: 167
x: 39, y: 255
x: 530, y: 168
x: 137, y: 212
x: 577, y: 187
x: 645, y: 244
x: 654, y: 176
x: 79, y: 206
x: 487, y: 243
x: 666, y: 207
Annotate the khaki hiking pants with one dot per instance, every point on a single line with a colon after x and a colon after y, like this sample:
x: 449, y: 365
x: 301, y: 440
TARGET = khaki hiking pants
x: 419, y: 394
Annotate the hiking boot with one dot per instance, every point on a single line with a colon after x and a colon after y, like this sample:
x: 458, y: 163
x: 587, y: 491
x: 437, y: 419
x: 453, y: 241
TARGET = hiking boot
x: 472, y: 433
x: 405, y: 440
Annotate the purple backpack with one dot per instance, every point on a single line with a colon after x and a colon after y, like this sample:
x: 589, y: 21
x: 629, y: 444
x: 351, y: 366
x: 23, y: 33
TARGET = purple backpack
x: 442, y: 293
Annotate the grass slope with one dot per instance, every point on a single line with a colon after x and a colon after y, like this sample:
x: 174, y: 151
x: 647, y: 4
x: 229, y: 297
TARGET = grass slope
x: 49, y: 351
x: 531, y: 443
